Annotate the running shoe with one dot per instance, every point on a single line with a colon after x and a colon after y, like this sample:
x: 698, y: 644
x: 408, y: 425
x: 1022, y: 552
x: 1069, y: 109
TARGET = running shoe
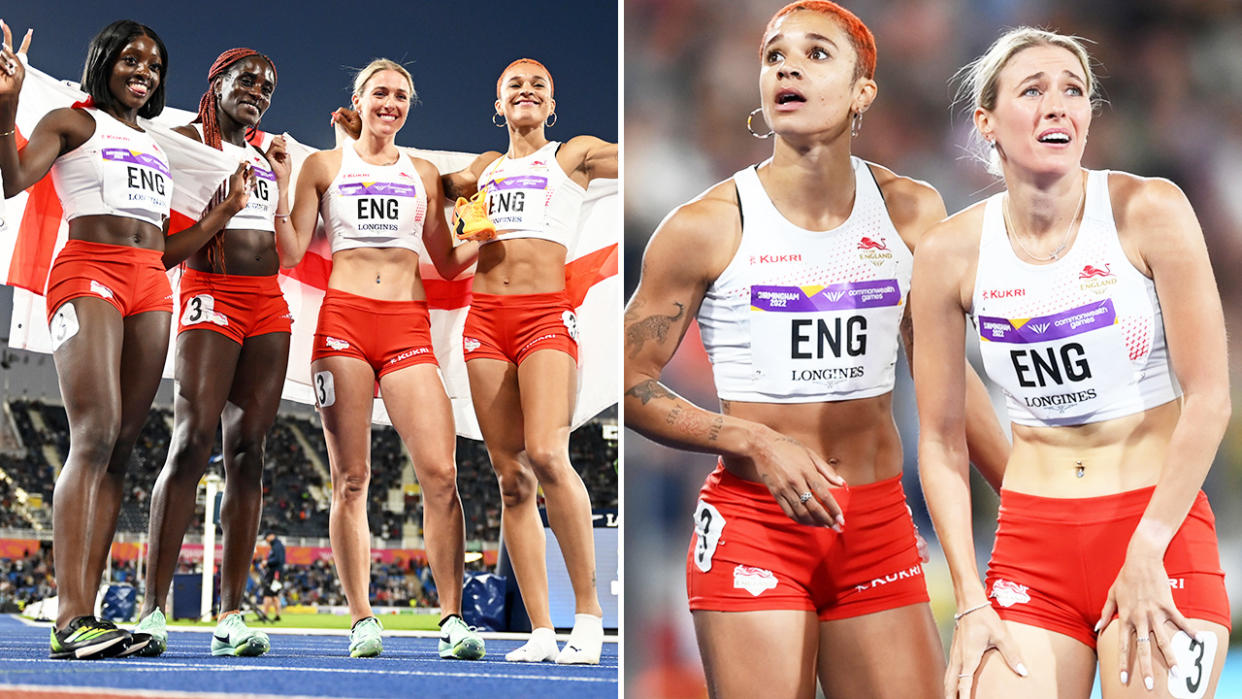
x: 87, y: 638
x: 470, y: 220
x: 364, y: 638
x: 233, y: 637
x: 155, y: 626
x: 457, y: 640
x: 541, y: 648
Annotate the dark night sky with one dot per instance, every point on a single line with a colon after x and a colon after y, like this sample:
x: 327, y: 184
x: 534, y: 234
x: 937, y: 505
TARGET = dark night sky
x: 455, y: 51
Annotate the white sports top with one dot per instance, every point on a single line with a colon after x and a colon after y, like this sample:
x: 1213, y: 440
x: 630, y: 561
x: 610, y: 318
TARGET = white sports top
x: 1077, y: 340
x: 803, y: 316
x: 532, y: 197
x: 260, y: 211
x: 117, y: 172
x: 374, y: 206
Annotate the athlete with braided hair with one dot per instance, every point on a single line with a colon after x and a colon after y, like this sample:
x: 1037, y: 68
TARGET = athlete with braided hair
x: 232, y: 350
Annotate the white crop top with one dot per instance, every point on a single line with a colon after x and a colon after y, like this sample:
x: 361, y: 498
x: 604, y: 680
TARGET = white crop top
x: 1077, y: 340
x: 118, y: 172
x: 803, y: 316
x: 260, y: 211
x: 374, y: 206
x: 532, y: 197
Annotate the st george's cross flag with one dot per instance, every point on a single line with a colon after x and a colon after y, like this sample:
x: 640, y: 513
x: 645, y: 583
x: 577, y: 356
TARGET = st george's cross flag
x: 32, y: 231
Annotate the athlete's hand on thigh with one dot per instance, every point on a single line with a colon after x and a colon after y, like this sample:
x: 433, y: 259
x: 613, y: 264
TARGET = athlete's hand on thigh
x: 974, y: 634
x: 799, y: 479
x: 1143, y: 602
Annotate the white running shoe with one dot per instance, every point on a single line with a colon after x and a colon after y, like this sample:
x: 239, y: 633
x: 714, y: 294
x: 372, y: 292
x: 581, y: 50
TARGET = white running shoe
x: 541, y: 648
x: 585, y: 643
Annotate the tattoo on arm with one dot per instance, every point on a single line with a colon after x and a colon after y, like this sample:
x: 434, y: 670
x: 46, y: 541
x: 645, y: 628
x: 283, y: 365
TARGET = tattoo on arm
x: 713, y: 431
x: 649, y: 390
x: 652, y: 327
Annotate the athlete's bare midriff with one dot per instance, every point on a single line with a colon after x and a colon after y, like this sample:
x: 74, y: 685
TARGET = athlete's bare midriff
x: 520, y: 266
x: 117, y: 230
x: 1100, y: 458
x: 858, y: 438
x: 385, y: 274
x: 246, y: 252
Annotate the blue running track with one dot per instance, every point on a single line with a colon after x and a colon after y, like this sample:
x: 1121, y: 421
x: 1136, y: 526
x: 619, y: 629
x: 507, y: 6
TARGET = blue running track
x: 297, y: 666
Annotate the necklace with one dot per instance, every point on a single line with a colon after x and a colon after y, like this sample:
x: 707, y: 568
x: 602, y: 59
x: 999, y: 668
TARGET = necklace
x: 1013, y: 230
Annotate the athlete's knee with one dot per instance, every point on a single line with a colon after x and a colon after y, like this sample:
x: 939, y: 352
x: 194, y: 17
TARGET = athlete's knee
x: 438, y: 481
x: 245, y: 452
x: 351, y: 486
x: 92, y: 441
x: 517, y: 486
x: 550, y: 461
x: 192, y: 441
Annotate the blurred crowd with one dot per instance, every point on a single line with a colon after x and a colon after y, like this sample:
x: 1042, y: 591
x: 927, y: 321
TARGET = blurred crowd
x: 1171, y: 73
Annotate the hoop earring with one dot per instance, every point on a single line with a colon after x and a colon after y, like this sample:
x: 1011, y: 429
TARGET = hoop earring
x: 502, y: 123
x: 750, y: 117
x: 856, y: 125
x: 550, y: 124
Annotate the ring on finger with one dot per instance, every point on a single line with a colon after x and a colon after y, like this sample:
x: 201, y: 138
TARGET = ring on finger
x: 1143, y: 639
x: 803, y: 498
x: 964, y: 675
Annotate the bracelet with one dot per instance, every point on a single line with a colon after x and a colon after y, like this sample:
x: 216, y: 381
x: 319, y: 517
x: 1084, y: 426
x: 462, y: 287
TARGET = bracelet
x: 958, y: 617
x: 10, y: 132
x: 283, y: 217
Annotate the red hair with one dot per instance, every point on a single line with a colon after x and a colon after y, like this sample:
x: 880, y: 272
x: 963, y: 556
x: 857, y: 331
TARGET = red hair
x: 860, y: 36
x: 208, y: 105
x: 533, y: 62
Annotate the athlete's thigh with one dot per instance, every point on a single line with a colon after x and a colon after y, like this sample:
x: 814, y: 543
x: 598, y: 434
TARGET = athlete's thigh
x: 205, y: 364
x: 1059, y: 666
x: 259, y: 378
x: 90, y: 332
x: 345, y: 390
x: 420, y: 411
x: 769, y: 654
x: 497, y: 406
x: 548, y: 383
x: 1198, y: 669
x: 894, y: 653
x: 142, y: 364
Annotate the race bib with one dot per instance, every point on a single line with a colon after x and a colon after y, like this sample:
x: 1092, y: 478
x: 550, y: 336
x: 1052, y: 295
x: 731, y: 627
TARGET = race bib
x: 1059, y: 364
x: 1192, y: 672
x: 518, y: 202
x: 822, y: 335
x: 136, y: 182
x: 381, y: 209
x: 202, y: 309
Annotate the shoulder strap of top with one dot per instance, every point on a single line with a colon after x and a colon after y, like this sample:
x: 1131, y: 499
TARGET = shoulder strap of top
x: 867, y: 189
x: 751, y: 196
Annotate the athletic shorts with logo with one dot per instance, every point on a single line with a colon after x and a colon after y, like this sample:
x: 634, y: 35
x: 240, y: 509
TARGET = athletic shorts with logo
x: 511, y: 327
x: 1056, y: 558
x: 236, y: 306
x: 131, y: 279
x: 747, y: 555
x: 388, y: 335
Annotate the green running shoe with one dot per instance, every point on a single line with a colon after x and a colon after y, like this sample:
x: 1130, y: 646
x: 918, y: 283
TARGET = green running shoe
x: 364, y: 638
x: 233, y: 637
x: 457, y: 640
x: 155, y: 626
x: 87, y: 638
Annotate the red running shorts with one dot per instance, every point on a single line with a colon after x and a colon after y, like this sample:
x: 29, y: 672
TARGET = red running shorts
x: 236, y: 306
x: 1056, y: 558
x: 746, y: 555
x: 388, y: 335
x: 511, y: 327
x: 131, y: 279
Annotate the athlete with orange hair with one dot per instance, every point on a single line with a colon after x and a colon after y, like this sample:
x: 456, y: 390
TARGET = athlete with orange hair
x: 232, y: 348
x: 804, y: 560
x: 521, y: 350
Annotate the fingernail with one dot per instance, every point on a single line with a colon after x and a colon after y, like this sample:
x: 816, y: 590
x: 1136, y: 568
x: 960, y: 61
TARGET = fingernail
x: 1022, y: 670
x: 838, y: 529
x: 1125, y: 677
x: 1147, y: 682
x: 1098, y: 624
x: 841, y: 520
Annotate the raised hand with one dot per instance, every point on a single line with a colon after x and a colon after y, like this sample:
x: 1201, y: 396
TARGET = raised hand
x: 12, y: 71
x: 278, y: 157
x: 349, y: 121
